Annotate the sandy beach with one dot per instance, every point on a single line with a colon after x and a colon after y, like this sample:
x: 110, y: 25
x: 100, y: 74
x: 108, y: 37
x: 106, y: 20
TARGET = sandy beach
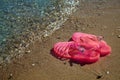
x: 99, y: 17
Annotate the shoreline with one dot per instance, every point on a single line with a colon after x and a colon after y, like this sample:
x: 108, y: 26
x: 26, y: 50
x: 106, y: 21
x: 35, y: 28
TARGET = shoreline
x: 18, y: 45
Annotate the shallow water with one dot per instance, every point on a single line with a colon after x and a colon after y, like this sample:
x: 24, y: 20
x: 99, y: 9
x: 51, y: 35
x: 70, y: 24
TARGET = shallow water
x: 14, y: 14
x: 22, y: 21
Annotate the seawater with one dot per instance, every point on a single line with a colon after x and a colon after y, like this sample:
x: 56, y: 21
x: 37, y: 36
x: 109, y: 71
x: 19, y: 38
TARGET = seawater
x: 22, y: 21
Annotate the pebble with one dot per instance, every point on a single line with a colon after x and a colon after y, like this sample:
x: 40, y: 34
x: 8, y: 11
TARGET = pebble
x: 58, y: 37
x: 10, y: 76
x: 16, y: 49
x: 28, y: 51
x: 33, y: 64
x: 118, y: 36
x: 27, y: 45
x: 19, y: 51
x: 99, y: 76
x: 107, y: 72
x: 64, y: 63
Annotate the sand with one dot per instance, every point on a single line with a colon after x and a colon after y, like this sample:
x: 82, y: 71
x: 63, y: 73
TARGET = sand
x: 96, y: 17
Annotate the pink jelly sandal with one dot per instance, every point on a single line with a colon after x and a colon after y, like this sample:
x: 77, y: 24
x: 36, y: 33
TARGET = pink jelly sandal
x: 71, y: 50
x: 104, y: 48
x: 61, y: 49
x: 92, y: 42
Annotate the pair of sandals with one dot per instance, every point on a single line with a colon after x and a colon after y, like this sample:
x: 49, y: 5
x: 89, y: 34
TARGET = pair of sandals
x: 83, y: 48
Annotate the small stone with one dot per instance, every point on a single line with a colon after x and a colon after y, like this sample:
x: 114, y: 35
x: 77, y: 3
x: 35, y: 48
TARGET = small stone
x: 28, y: 51
x: 20, y: 45
x: 11, y: 74
x: 107, y: 72
x: 27, y: 45
x: 58, y: 37
x: 118, y: 36
x: 33, y: 64
x: 99, y: 76
x: 16, y: 49
x: 64, y: 63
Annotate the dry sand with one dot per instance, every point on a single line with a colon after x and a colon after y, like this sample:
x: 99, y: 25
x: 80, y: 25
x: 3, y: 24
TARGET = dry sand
x: 100, y: 18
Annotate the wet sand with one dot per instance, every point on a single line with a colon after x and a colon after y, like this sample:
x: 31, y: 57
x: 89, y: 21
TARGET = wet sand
x: 99, y: 18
